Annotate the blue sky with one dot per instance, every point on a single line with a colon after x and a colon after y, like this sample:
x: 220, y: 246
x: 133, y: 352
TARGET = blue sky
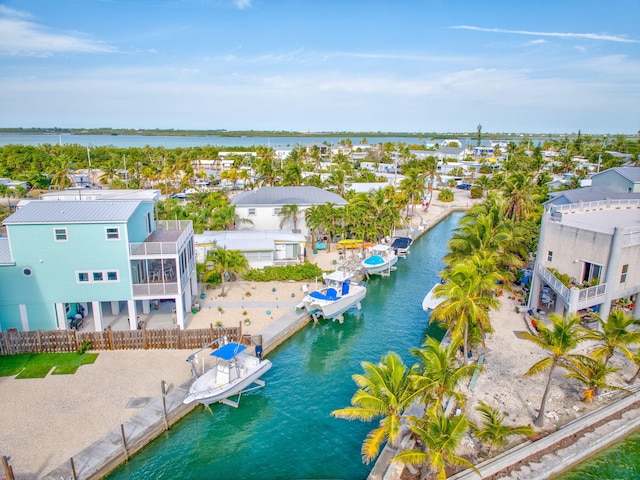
x: 324, y: 65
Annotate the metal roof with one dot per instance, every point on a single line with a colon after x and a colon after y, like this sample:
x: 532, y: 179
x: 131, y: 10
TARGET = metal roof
x: 50, y: 212
x: 287, y: 196
x: 5, y: 252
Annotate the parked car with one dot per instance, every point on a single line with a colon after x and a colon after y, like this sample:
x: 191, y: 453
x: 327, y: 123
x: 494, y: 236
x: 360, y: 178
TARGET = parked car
x: 464, y: 186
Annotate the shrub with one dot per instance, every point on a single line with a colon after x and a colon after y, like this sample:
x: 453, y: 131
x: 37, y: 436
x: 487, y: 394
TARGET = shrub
x: 298, y: 273
x: 445, y: 195
x: 476, y: 191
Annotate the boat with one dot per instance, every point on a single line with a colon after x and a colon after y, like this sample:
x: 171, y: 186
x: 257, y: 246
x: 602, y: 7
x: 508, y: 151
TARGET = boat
x: 380, y: 260
x: 401, y: 246
x: 338, y: 295
x: 233, y: 372
x: 430, y: 301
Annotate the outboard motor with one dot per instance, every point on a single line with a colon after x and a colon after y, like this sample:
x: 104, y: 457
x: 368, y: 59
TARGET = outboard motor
x: 259, y: 352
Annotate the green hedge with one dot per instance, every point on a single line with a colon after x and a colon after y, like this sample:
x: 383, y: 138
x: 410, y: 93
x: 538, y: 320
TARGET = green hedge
x: 298, y: 273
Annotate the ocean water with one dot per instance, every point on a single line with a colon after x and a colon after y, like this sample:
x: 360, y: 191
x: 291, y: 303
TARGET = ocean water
x: 170, y: 141
x: 285, y: 431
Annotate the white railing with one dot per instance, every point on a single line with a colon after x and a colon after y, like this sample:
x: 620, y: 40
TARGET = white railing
x: 551, y: 280
x: 164, y: 248
x: 592, y: 292
x: 155, y: 289
x: 596, y: 205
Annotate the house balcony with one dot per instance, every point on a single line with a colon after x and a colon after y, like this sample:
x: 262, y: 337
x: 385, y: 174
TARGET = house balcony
x: 168, y: 239
x: 575, y: 298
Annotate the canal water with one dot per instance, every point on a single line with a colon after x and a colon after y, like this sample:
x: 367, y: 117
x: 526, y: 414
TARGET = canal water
x: 285, y: 431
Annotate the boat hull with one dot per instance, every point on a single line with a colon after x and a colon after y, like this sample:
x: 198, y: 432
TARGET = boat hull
x: 373, y: 269
x: 331, y: 309
x: 430, y: 301
x: 205, y: 390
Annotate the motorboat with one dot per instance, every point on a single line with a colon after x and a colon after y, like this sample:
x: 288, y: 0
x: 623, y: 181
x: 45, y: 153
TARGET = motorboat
x: 401, y: 246
x: 230, y: 372
x: 337, y: 295
x: 430, y: 300
x: 380, y: 260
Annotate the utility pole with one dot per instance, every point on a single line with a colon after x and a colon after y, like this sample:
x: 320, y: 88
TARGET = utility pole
x: 90, y: 173
x: 479, y: 134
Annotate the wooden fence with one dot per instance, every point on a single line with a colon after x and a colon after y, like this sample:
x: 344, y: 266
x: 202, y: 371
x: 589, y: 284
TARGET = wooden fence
x: 51, y: 341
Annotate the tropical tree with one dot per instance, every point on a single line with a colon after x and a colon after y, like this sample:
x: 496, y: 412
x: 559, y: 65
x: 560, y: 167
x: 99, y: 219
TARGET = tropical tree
x: 412, y: 185
x: 385, y: 392
x: 614, y: 334
x: 289, y: 213
x: 223, y: 262
x: 441, y: 436
x: 592, y: 373
x: 469, y: 293
x: 559, y: 342
x: 493, y: 430
x: 438, y: 374
x: 520, y: 194
x: 635, y: 358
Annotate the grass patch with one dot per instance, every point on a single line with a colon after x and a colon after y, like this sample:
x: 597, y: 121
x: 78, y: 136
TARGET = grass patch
x: 65, y: 370
x: 32, y: 365
x: 34, y: 371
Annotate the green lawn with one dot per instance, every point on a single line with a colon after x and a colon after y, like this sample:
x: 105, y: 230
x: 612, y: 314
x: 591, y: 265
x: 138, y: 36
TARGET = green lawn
x: 38, y: 365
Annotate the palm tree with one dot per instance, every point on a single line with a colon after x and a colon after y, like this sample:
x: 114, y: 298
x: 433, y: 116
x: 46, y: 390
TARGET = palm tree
x: 521, y: 196
x: 439, y: 374
x: 413, y: 186
x: 431, y: 164
x: 635, y: 358
x: 558, y: 341
x: 469, y: 293
x: 441, y: 436
x: 221, y: 261
x: 493, y: 429
x: 614, y: 335
x: 385, y: 391
x: 289, y: 212
x: 592, y: 372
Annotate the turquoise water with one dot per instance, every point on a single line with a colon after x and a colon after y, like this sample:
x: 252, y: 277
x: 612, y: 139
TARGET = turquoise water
x: 619, y: 462
x: 285, y: 431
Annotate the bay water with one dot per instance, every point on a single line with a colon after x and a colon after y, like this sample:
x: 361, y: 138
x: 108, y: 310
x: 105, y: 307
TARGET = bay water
x: 286, y: 431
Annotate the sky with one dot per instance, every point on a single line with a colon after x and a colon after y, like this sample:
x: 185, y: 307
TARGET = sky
x: 545, y: 66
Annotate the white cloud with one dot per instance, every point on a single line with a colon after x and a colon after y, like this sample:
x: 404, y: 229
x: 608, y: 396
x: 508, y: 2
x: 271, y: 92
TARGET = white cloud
x: 22, y: 37
x: 242, y: 4
x: 589, y: 36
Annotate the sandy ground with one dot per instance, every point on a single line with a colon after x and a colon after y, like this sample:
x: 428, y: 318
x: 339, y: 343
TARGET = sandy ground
x: 44, y: 422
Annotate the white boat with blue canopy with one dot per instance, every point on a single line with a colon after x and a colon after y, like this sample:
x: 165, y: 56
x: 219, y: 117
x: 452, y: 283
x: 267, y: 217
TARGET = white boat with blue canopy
x: 380, y: 260
x: 226, y: 372
x: 338, y: 295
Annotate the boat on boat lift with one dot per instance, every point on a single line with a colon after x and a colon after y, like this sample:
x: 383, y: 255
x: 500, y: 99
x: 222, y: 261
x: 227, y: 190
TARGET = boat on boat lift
x: 380, y: 260
x: 337, y: 295
x: 233, y: 372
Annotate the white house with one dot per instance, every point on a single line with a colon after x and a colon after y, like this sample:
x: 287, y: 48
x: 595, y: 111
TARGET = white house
x: 262, y: 248
x: 260, y: 209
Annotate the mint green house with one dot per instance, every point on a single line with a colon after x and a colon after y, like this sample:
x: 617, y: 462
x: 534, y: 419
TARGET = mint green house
x: 61, y: 259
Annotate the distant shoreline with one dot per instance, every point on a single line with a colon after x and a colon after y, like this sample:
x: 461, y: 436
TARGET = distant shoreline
x: 274, y: 133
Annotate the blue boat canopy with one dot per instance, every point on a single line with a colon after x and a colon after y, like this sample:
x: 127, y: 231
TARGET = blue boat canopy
x: 401, y: 242
x: 229, y: 351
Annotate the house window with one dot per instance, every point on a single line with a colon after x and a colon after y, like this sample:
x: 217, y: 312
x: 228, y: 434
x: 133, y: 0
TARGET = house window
x: 592, y: 271
x: 148, y: 222
x: 625, y: 270
x: 549, y: 256
x: 98, y: 277
x: 113, y: 233
x: 112, y: 276
x: 83, y: 277
x: 277, y: 210
x: 60, y: 234
x: 252, y: 211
